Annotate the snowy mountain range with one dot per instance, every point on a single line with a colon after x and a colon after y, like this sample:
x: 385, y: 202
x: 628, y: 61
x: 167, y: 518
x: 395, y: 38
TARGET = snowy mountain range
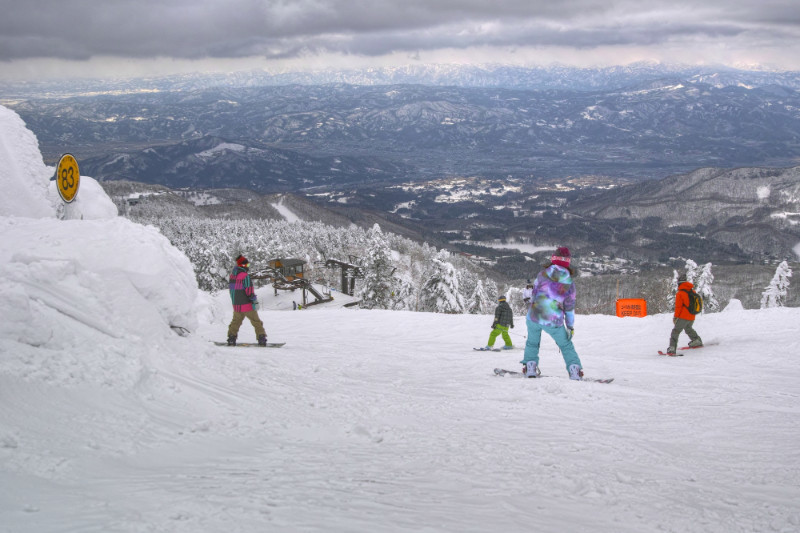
x: 118, y: 413
x: 636, y: 124
x: 551, y: 77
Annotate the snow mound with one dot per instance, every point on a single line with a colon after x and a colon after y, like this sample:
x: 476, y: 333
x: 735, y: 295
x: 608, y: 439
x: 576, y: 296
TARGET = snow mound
x: 87, y: 299
x: 91, y: 202
x: 23, y: 175
x: 734, y: 305
x: 90, y: 288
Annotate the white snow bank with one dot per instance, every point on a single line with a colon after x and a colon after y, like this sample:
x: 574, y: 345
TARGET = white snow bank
x: 76, y: 295
x: 91, y: 202
x: 87, y: 287
x: 23, y: 175
x: 734, y: 305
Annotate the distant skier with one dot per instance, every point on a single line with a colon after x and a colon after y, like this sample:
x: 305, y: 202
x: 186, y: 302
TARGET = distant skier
x: 552, y: 307
x: 527, y: 293
x: 683, y: 319
x: 245, y: 302
x: 503, y: 319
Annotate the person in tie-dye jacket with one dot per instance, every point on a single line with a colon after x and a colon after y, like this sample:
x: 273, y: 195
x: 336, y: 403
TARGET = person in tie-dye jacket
x: 245, y: 302
x: 552, y: 309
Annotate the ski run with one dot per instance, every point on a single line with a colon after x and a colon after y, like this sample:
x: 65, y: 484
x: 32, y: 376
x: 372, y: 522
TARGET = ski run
x: 364, y: 420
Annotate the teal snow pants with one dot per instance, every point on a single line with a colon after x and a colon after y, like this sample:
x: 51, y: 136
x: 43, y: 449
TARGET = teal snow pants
x: 559, y: 335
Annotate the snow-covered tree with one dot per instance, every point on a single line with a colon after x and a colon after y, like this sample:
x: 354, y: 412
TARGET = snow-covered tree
x: 775, y: 294
x: 479, y: 302
x: 702, y: 286
x: 514, y: 299
x: 691, y: 270
x: 673, y: 290
x: 441, y: 292
x: 404, y: 294
x: 493, y: 292
x: 376, y: 290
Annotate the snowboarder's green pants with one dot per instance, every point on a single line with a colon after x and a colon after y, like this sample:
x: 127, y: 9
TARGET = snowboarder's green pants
x: 683, y: 325
x: 238, y: 318
x: 499, y: 330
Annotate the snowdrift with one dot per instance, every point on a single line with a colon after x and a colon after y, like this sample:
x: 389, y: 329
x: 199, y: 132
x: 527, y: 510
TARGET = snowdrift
x: 93, y: 286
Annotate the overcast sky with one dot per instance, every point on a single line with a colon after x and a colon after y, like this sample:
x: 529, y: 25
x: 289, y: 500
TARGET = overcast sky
x: 58, y: 38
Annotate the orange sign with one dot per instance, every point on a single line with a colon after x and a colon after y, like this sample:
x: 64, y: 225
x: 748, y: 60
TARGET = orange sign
x: 68, y: 177
x: 632, y: 307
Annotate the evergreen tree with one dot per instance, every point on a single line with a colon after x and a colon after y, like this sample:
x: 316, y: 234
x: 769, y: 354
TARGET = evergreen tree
x: 691, y: 270
x: 404, y: 296
x: 441, y: 290
x: 673, y: 290
x: 775, y: 294
x: 479, y: 301
x: 493, y: 292
x: 514, y: 299
x: 377, y: 287
x: 702, y: 287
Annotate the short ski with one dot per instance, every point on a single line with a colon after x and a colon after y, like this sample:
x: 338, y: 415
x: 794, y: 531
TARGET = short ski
x: 252, y: 344
x: 504, y: 372
x: 671, y: 354
x: 484, y: 349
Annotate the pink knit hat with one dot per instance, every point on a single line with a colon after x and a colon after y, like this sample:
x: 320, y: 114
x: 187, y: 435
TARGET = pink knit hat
x: 561, y: 257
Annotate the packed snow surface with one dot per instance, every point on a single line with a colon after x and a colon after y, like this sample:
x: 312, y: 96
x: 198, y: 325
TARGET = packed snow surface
x: 365, y: 420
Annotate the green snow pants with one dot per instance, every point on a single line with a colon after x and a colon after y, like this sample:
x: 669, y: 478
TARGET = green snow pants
x: 499, y: 330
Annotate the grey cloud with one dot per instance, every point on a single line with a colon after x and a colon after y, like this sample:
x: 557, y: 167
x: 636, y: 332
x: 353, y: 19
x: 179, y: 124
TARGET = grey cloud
x: 79, y: 29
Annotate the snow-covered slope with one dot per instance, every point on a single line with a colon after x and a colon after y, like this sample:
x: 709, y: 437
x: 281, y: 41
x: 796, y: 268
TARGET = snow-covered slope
x: 366, y: 420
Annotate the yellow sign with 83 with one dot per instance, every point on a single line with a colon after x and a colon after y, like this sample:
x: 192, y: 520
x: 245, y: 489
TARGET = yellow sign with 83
x: 68, y: 177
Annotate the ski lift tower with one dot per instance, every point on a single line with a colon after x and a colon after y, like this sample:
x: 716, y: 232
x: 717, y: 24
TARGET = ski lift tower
x: 349, y: 274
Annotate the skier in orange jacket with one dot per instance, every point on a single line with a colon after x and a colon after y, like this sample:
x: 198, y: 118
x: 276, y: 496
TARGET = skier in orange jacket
x: 683, y: 319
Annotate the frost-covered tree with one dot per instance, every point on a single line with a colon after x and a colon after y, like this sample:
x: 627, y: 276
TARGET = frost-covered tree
x: 493, y: 292
x: 673, y: 290
x: 514, y: 299
x: 691, y: 270
x: 404, y: 294
x: 441, y: 292
x: 777, y: 290
x: 479, y: 302
x: 377, y: 288
x: 702, y: 286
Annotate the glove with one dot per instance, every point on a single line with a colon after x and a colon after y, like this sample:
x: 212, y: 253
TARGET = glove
x: 526, y: 300
x: 512, y: 326
x: 256, y: 305
x: 494, y: 324
x: 570, y: 333
x: 674, y: 320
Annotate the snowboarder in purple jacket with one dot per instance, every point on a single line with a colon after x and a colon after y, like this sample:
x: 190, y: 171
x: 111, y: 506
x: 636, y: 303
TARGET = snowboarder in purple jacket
x: 245, y: 302
x: 552, y: 309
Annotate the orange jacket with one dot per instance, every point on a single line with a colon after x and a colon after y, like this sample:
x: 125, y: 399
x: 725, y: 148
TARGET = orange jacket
x: 682, y: 302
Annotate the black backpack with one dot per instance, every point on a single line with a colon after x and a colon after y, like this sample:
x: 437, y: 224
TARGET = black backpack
x: 695, y: 302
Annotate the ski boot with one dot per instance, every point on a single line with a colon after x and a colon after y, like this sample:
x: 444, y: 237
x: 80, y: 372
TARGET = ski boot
x: 531, y: 370
x: 262, y: 340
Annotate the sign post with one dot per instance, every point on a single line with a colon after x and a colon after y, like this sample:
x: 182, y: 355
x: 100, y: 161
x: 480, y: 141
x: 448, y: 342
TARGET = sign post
x: 68, y: 179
